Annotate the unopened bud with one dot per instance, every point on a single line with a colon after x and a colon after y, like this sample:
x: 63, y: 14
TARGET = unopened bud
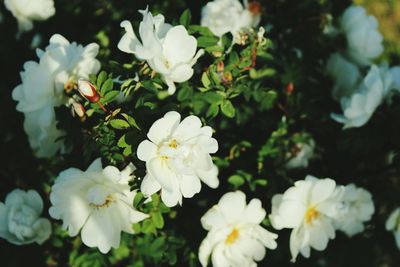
x: 254, y: 8
x: 88, y: 91
x: 77, y: 109
x: 289, y: 88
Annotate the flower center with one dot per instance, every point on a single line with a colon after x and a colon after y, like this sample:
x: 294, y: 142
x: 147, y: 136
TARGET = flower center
x: 99, y: 197
x: 232, y: 237
x: 173, y: 144
x: 311, y: 215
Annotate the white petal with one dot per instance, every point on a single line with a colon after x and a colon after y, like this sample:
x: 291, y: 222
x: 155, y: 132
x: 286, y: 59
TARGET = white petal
x: 213, y: 219
x: 254, y: 213
x: 146, y: 150
x: 190, y: 185
x: 163, y: 128
x: 149, y: 185
x: 232, y: 206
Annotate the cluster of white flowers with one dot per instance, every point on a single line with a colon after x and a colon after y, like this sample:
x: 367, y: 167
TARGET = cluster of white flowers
x: 177, y: 158
x: 98, y: 202
x: 314, y: 208
x: 42, y: 88
x: 360, y: 97
x: 235, y: 236
x: 168, y: 50
x: 230, y: 16
x: 29, y: 10
x: 20, y: 221
x: 393, y: 225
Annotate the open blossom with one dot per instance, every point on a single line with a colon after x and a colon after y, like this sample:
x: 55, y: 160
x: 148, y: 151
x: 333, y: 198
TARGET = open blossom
x: 355, y: 208
x: 393, y: 225
x: 42, y: 88
x: 230, y: 16
x: 235, y: 237
x: 177, y: 157
x: 98, y: 202
x: 300, y: 155
x: 345, y: 74
x: 168, y: 50
x: 364, y: 40
x: 29, y: 10
x: 308, y: 208
x: 361, y: 105
x: 20, y: 221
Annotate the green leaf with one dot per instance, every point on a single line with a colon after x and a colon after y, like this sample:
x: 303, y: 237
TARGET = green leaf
x: 158, y: 220
x: 228, y: 109
x: 213, y: 111
x: 205, y: 80
x: 130, y: 120
x: 236, y: 180
x: 207, y: 41
x: 101, y: 78
x: 213, y: 98
x: 119, y: 124
x: 185, y: 18
x: 268, y: 99
x: 184, y: 93
x: 107, y: 86
x: 111, y: 95
x: 233, y: 58
x: 201, y: 30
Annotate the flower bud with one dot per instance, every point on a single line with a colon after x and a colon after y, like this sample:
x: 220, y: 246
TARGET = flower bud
x: 78, y: 110
x: 254, y: 8
x: 88, y: 91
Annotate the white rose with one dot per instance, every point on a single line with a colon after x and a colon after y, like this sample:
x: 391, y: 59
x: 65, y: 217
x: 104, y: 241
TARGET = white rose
x: 20, y: 221
x: 301, y: 155
x: 235, y: 237
x: 177, y: 157
x: 98, y: 202
x: 355, y: 208
x: 346, y: 75
x: 359, y: 107
x: 393, y: 225
x: 363, y: 37
x: 42, y: 89
x: 168, y: 50
x: 308, y: 208
x: 223, y: 16
x: 26, y: 11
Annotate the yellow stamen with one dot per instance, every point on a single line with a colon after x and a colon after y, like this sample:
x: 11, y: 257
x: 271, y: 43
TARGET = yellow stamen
x: 311, y: 215
x: 173, y: 143
x: 106, y: 203
x: 232, y: 237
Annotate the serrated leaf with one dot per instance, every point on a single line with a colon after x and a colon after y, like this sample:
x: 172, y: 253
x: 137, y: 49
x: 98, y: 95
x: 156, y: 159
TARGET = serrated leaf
x: 119, y: 124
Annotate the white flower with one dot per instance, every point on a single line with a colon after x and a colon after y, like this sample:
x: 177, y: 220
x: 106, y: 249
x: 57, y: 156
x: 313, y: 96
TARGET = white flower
x: 235, y: 237
x: 42, y: 89
x: 393, y: 225
x: 355, y: 208
x: 308, y: 208
x: 363, y: 37
x: 359, y: 107
x: 168, y: 50
x: 98, y: 202
x: 345, y: 74
x: 20, y: 221
x: 29, y: 10
x: 301, y: 155
x: 177, y: 157
x: 223, y: 16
